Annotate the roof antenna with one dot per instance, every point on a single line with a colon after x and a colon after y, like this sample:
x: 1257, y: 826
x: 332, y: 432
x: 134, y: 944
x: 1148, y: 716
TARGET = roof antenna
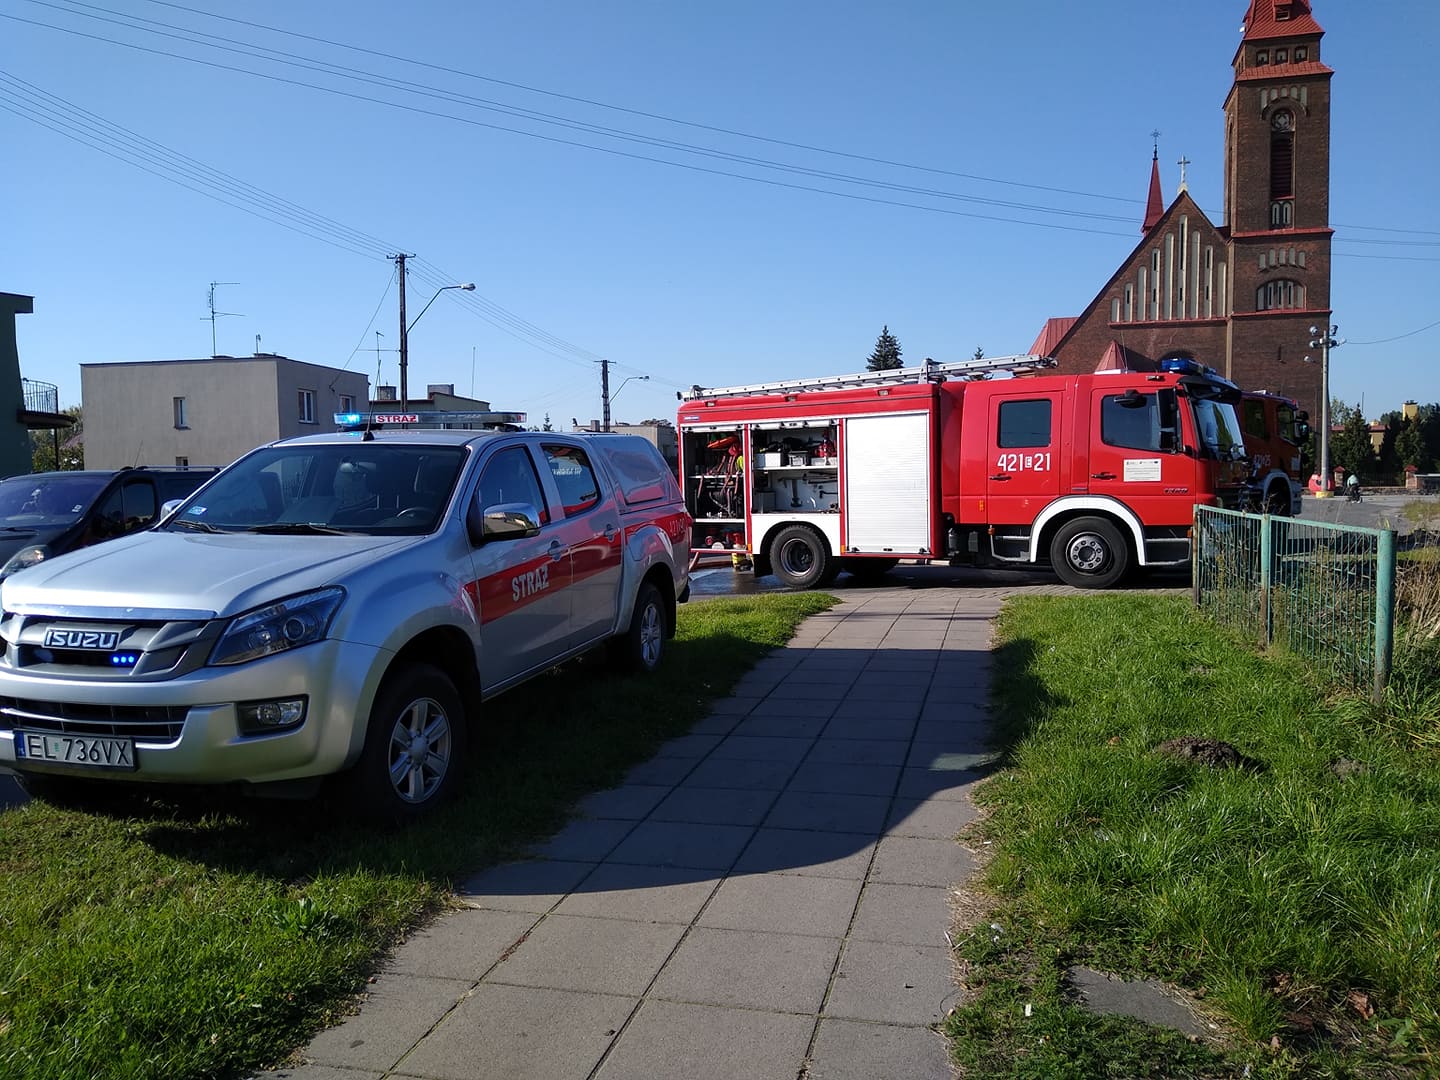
x: 218, y: 314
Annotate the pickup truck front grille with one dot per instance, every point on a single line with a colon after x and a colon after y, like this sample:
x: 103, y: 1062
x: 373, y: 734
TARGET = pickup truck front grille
x: 157, y: 723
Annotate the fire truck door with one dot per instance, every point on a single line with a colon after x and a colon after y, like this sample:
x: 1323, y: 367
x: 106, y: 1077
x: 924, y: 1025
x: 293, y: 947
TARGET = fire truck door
x: 1022, y: 473
x: 888, y: 484
x: 1135, y: 439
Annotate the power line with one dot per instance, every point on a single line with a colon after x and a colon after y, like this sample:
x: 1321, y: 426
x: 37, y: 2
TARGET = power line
x: 1398, y: 337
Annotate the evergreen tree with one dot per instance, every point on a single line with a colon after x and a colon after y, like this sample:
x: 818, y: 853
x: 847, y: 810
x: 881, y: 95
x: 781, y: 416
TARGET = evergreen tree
x: 979, y: 353
x: 1410, y: 447
x: 547, y: 426
x: 1350, y: 447
x: 886, y: 354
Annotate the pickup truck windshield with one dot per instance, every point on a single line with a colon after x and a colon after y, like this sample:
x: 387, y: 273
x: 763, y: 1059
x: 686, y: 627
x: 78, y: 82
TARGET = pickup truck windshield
x: 372, y: 488
x: 47, y: 502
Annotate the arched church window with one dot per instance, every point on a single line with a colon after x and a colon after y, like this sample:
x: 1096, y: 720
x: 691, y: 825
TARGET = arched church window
x: 1276, y: 295
x: 1282, y: 155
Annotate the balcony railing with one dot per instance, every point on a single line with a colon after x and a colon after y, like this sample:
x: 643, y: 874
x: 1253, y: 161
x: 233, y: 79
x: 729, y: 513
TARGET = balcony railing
x: 40, y: 397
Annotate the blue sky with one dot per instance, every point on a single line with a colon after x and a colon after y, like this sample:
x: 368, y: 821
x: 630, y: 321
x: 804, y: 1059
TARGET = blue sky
x: 1037, y: 112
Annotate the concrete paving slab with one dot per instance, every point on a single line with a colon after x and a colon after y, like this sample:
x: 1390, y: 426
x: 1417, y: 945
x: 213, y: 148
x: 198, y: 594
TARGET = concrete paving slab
x: 688, y: 746
x: 888, y: 720
x: 642, y: 893
x: 808, y: 692
x: 715, y: 806
x: 743, y: 773
x: 828, y: 812
x: 911, y: 860
x: 797, y: 705
x: 662, y: 772
x: 848, y: 1050
x: 859, y: 751
x: 609, y: 956
x: 883, y: 686
x: 810, y: 854
x: 396, y: 1013
x: 716, y: 724
x: 583, y: 840
x: 884, y: 982
x: 762, y: 748
x: 530, y: 885
x: 944, y: 784
x: 520, y: 1033
x: 317, y: 1072
x: 461, y: 944
x: 630, y: 802
x: 819, y: 675
x: 783, y: 904
x: 961, y: 733
x: 933, y: 819
x: 945, y: 755
x: 902, y: 914
x: 833, y: 777
x: 957, y: 694
x: 1143, y: 999
x: 773, y: 725
x: 746, y: 969
x: 735, y: 705
x: 699, y: 1042
x: 669, y: 843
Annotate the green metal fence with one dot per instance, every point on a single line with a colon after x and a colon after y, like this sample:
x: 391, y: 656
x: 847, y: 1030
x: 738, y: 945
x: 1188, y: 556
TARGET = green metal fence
x: 1324, y: 592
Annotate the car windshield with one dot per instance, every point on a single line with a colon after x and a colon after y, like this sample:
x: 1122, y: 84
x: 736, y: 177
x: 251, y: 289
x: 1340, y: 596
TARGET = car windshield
x: 317, y: 490
x: 47, y: 501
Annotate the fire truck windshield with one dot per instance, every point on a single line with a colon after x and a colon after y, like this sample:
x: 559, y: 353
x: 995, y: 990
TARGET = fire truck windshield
x: 1219, y: 429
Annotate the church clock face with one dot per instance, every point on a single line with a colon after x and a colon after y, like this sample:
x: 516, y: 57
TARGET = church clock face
x: 1281, y: 121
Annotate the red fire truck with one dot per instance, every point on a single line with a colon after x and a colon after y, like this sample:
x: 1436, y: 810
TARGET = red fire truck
x: 1275, y: 430
x: 978, y: 461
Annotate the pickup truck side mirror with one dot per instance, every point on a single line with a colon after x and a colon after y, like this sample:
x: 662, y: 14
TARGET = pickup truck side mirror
x: 503, y: 521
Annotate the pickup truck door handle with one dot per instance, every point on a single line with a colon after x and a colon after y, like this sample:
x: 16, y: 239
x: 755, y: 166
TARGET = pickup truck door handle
x: 557, y: 551
x: 610, y: 532
x: 1002, y: 476
x: 1102, y: 476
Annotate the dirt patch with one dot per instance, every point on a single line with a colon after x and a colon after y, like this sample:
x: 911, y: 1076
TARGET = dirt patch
x: 1211, y: 753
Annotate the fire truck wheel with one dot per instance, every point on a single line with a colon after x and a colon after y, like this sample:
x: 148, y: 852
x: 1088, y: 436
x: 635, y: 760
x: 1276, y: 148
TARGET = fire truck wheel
x: 1089, y: 553
x: 413, y: 748
x: 1277, y: 501
x: 801, y: 559
x: 640, y: 647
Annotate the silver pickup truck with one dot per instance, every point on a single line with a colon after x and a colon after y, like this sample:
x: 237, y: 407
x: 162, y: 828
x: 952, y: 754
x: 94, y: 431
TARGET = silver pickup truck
x: 339, y: 605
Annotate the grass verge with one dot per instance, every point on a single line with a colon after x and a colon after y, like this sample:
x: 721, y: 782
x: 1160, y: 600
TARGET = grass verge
x: 1299, y: 900
x: 176, y: 941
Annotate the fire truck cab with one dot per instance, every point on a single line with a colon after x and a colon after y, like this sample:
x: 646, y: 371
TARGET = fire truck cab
x: 1275, y: 430
x: 1094, y: 475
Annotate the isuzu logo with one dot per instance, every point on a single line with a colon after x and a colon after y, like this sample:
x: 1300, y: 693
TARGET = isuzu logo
x: 103, y: 640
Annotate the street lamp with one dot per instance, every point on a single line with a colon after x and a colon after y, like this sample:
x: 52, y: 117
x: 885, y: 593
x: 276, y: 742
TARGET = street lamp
x: 469, y: 286
x: 1324, y: 341
x: 612, y: 397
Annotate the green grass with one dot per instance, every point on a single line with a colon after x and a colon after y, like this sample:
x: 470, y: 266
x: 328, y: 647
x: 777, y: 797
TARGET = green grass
x: 1292, y: 899
x: 175, y: 941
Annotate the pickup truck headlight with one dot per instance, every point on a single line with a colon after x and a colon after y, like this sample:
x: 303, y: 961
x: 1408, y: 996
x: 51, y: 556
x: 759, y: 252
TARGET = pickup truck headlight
x: 27, y: 556
x: 274, y: 628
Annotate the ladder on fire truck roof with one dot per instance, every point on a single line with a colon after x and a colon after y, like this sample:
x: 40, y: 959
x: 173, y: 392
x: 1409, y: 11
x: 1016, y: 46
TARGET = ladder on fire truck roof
x: 930, y: 371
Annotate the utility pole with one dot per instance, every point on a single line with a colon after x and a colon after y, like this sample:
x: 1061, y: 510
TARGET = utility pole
x: 404, y: 336
x: 604, y: 394
x: 1325, y: 341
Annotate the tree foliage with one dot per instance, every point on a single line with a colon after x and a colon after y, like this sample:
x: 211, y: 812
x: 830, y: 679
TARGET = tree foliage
x: 1350, y: 447
x: 70, y: 441
x: 886, y: 354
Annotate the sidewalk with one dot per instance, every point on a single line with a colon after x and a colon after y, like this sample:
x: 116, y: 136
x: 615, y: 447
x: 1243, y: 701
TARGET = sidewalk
x: 768, y: 897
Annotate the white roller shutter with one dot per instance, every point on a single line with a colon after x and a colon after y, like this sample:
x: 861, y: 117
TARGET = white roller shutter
x: 887, y: 483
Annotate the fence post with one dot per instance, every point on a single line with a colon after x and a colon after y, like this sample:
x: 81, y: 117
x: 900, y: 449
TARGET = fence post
x: 1267, y: 555
x: 1384, y: 612
x: 1195, y: 553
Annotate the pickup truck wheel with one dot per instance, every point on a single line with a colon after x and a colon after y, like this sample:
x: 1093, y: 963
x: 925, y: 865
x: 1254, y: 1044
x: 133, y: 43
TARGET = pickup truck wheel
x: 412, y: 756
x: 1089, y: 553
x: 640, y: 648
x: 800, y: 558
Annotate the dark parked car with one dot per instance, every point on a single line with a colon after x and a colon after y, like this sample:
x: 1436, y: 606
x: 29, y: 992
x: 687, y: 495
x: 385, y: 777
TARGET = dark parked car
x: 47, y: 514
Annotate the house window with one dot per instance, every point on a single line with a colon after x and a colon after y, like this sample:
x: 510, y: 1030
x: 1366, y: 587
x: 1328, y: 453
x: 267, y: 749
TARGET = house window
x: 1275, y: 295
x: 1262, y: 58
x: 1282, y: 56
x: 1301, y: 54
x: 307, y: 406
x: 347, y: 403
x: 182, y: 461
x: 179, y: 406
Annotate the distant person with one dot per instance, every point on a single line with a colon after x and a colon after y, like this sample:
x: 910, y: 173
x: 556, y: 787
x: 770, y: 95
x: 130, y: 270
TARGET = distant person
x: 1352, y: 487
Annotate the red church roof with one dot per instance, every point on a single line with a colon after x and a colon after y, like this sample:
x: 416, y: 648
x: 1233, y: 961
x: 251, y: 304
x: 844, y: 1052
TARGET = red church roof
x: 1284, y: 71
x: 1055, y: 329
x: 1279, y: 19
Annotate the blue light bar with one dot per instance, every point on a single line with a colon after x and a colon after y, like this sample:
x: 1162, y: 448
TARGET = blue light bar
x: 347, y: 418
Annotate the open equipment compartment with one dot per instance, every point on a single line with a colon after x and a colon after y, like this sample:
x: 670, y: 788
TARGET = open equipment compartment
x: 712, y: 463
x: 796, y: 467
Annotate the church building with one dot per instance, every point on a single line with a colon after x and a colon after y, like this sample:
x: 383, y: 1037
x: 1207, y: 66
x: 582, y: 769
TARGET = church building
x: 1239, y: 297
